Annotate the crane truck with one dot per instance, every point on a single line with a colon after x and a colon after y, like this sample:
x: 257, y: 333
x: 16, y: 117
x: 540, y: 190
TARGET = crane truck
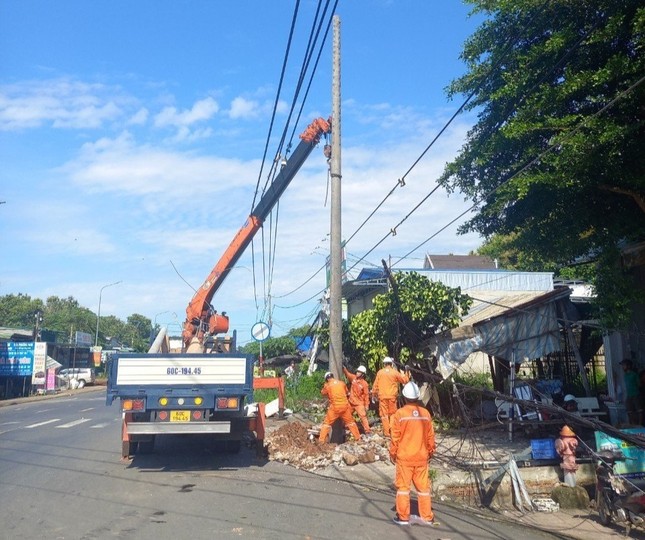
x: 208, y: 387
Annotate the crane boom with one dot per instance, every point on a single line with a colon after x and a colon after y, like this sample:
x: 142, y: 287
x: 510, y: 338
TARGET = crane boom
x: 201, y: 319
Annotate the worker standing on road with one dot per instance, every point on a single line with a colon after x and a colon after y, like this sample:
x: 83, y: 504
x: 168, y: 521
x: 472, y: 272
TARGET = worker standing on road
x: 386, y: 390
x: 412, y: 446
x: 336, y: 392
x: 359, y: 395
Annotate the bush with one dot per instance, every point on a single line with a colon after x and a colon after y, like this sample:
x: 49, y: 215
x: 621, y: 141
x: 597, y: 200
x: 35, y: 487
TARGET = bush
x: 299, y: 389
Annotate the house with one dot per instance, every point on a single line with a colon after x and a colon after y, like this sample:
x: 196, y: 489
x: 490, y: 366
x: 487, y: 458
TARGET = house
x: 514, y: 316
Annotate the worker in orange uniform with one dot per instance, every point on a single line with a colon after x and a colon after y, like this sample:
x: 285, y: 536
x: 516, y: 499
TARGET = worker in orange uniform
x: 359, y: 395
x: 412, y: 446
x: 339, y: 407
x: 386, y: 390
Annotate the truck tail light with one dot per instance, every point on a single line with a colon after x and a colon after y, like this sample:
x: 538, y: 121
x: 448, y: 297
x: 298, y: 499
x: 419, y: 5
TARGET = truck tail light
x: 197, y: 415
x: 227, y: 403
x: 133, y: 405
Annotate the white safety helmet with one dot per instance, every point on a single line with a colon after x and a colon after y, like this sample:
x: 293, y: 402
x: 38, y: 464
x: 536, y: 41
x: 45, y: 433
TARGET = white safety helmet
x: 411, y: 390
x: 328, y: 375
x: 361, y: 369
x: 388, y: 360
x: 569, y: 397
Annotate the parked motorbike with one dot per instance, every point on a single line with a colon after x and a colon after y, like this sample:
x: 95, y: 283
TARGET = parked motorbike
x: 617, y: 499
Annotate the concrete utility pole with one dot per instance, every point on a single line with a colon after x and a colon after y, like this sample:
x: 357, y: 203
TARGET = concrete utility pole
x: 335, y: 283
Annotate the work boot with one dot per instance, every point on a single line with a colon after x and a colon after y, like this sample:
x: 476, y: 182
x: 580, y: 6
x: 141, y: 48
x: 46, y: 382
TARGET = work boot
x: 400, y: 521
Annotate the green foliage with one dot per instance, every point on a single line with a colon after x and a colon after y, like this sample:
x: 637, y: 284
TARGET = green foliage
x: 64, y: 316
x: 412, y: 311
x: 272, y: 347
x: 555, y: 161
x: 475, y: 380
x: 18, y: 310
x: 298, y: 391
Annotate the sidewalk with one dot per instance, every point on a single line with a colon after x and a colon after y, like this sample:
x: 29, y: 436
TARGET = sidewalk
x: 44, y: 397
x: 575, y: 524
x: 457, y: 489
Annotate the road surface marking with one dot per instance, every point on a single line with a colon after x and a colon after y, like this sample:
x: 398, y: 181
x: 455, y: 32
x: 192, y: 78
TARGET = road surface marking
x: 88, y: 409
x: 74, y: 423
x: 42, y: 423
x: 97, y: 426
x: 8, y: 423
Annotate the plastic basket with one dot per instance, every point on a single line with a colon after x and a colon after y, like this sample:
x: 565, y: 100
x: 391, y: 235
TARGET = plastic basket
x: 543, y: 449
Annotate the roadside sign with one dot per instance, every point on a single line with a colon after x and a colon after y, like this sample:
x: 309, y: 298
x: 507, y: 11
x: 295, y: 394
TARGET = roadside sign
x: 260, y: 331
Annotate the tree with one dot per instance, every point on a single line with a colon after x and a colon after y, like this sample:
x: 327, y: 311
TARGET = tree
x: 403, y: 319
x: 272, y: 347
x: 555, y: 161
x: 18, y: 310
x: 138, y: 329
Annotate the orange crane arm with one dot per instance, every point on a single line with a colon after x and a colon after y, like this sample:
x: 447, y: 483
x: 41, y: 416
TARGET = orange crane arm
x: 200, y: 317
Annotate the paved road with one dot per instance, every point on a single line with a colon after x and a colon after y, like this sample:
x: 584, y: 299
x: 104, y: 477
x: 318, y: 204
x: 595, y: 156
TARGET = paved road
x: 61, y: 478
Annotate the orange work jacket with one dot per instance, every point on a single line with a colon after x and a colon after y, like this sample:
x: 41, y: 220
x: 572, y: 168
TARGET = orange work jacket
x: 412, y: 432
x: 336, y: 392
x: 386, y: 384
x: 359, y: 390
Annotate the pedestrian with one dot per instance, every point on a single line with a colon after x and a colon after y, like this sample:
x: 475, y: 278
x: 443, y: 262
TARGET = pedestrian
x: 336, y: 392
x: 290, y: 369
x: 411, y: 448
x: 566, y: 447
x: 570, y: 404
x: 359, y: 395
x: 632, y: 399
x: 386, y: 390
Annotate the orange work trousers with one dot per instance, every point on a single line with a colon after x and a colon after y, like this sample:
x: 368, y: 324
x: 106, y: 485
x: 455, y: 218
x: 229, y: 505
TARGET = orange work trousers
x: 362, y: 415
x: 386, y: 408
x: 334, y: 414
x: 417, y: 475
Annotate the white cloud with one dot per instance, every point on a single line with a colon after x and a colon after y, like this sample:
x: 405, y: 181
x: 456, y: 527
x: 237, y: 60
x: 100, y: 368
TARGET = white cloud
x: 202, y: 110
x: 60, y: 103
x: 139, y: 118
x: 243, y: 108
x: 120, y: 165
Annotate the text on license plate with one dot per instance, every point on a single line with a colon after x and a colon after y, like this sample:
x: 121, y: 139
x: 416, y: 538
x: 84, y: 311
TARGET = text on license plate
x: 180, y: 416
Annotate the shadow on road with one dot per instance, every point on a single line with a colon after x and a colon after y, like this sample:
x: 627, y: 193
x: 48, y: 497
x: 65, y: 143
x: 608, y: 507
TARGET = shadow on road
x: 182, y: 453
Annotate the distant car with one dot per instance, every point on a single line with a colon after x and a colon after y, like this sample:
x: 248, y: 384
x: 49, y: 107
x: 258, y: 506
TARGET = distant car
x: 84, y: 376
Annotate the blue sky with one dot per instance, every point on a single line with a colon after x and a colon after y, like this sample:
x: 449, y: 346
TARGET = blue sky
x: 132, y: 134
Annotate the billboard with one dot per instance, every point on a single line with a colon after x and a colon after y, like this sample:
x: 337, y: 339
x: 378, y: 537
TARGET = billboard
x: 40, y: 363
x: 634, y: 465
x: 83, y: 339
x: 16, y: 358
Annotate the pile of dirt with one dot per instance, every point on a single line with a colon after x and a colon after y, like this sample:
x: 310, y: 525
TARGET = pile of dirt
x: 296, y: 443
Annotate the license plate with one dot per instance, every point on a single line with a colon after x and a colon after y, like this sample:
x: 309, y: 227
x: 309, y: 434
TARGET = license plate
x: 180, y: 416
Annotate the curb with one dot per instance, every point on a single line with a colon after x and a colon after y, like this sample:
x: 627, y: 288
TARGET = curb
x: 45, y: 397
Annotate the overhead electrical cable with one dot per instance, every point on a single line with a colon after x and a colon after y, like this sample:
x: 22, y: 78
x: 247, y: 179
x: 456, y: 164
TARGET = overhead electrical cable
x: 511, y: 42
x: 313, y: 39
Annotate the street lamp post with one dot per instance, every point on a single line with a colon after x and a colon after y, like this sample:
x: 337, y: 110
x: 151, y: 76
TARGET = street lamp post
x: 154, y: 326
x: 98, y: 316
